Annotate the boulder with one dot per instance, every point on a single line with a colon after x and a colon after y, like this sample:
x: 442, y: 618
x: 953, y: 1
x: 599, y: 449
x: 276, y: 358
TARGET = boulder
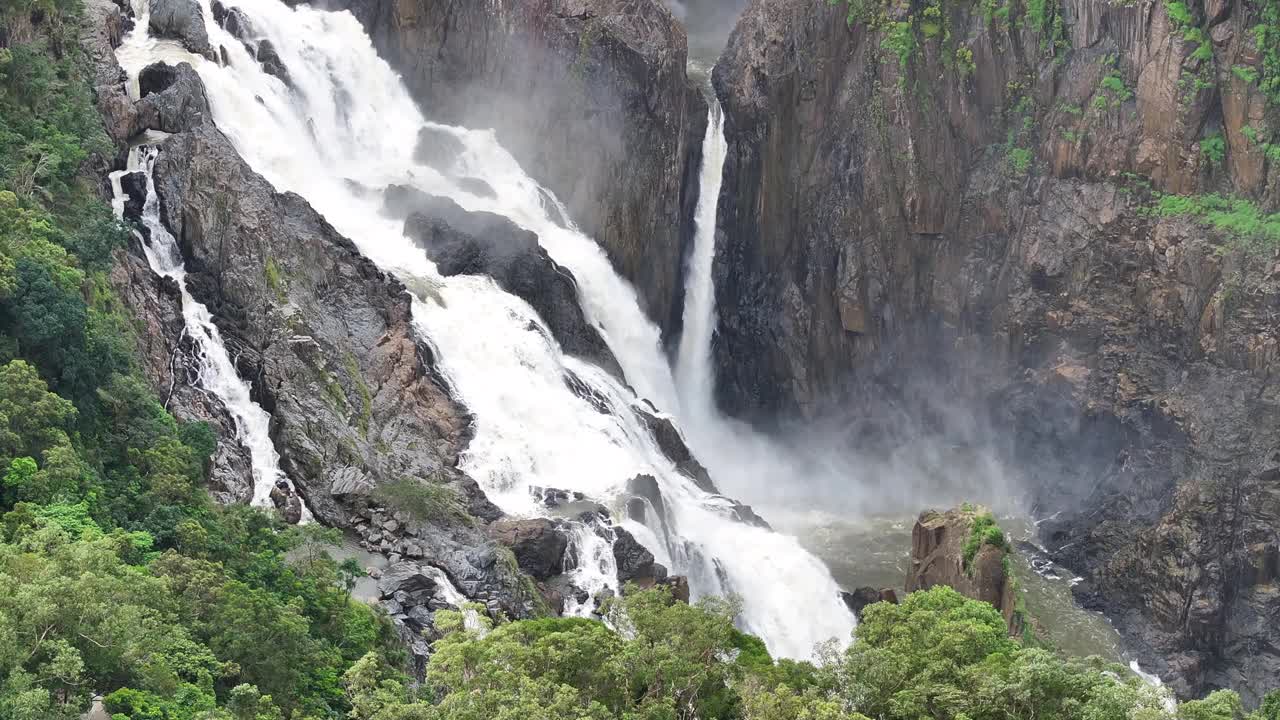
x: 134, y: 187
x: 635, y: 562
x: 476, y: 243
x: 181, y: 20
x: 173, y: 98
x: 287, y: 502
x: 538, y: 544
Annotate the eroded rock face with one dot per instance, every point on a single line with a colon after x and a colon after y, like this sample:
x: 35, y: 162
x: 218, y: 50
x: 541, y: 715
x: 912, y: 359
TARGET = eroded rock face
x: 986, y: 223
x: 590, y: 96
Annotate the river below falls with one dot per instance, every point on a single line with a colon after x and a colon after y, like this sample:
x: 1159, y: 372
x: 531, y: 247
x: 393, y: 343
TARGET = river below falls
x: 876, y: 552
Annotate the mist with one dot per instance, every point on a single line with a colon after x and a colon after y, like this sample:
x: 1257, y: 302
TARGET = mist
x: 708, y: 23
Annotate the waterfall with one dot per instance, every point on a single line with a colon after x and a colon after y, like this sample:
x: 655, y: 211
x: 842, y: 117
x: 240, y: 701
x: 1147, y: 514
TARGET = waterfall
x: 695, y: 374
x: 346, y: 121
x: 217, y: 374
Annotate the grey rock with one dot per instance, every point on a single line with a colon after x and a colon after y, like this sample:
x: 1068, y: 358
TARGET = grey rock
x: 181, y: 20
x: 173, y: 98
x: 475, y: 243
x: 538, y: 545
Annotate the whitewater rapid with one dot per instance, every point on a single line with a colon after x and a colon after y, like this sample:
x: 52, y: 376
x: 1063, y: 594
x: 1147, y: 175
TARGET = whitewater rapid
x: 346, y: 121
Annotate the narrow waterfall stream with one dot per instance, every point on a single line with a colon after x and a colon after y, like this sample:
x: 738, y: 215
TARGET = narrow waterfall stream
x: 345, y: 120
x: 217, y: 374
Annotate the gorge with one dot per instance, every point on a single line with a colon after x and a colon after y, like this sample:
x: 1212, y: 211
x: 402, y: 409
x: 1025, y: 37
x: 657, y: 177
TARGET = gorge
x: 537, y: 300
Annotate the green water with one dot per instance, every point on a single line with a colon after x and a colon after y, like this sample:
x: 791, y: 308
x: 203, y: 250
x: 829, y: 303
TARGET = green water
x: 876, y: 552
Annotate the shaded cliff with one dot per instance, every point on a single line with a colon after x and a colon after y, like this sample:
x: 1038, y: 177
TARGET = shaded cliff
x: 983, y: 195
x: 592, y: 99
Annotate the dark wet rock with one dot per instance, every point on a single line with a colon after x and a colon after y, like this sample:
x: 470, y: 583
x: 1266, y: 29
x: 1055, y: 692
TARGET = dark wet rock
x: 475, y: 243
x: 134, y: 186
x: 181, y: 20
x: 173, y: 98
x: 286, y: 502
x: 859, y: 599
x: 438, y: 149
x: 679, y: 585
x: 234, y: 21
x: 648, y: 495
x: 271, y: 62
x: 590, y: 96
x: 538, y: 544
x: 675, y: 448
x: 169, y: 362
x: 635, y: 562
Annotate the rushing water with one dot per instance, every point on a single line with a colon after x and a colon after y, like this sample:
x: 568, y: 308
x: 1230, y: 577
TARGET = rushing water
x: 346, y: 117
x: 217, y: 374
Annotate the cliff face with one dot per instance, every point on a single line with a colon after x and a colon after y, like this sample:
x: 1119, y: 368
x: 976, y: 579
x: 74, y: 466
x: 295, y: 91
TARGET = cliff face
x: 975, y: 194
x: 590, y: 96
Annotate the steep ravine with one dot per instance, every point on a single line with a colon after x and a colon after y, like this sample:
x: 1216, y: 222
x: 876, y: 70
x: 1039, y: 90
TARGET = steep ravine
x: 971, y: 198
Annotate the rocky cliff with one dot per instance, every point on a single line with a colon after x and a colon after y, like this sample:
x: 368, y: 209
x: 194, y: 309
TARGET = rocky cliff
x: 590, y: 96
x: 982, y: 193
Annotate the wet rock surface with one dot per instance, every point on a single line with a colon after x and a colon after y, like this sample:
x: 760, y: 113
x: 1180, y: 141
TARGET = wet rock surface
x: 477, y: 243
x: 590, y: 96
x: 538, y: 545
x: 996, y: 239
x: 181, y: 20
x: 173, y: 98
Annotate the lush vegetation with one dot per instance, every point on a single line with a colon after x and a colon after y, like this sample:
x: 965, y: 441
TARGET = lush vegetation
x: 1242, y: 221
x: 119, y: 576
x: 983, y: 530
x: 938, y: 655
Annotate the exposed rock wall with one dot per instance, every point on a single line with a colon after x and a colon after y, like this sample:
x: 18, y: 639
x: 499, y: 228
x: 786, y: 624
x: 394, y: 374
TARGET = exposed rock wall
x: 590, y: 96
x: 938, y: 558
x: 981, y: 212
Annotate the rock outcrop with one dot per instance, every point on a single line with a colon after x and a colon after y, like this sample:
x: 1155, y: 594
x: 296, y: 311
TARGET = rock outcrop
x: 181, y: 20
x: 479, y: 243
x: 538, y: 545
x: 982, y: 209
x: 590, y: 96
x: 941, y: 545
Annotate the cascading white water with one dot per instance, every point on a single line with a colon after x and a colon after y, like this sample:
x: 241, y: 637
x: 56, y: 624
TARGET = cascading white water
x: 347, y: 118
x: 695, y: 374
x: 217, y: 374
